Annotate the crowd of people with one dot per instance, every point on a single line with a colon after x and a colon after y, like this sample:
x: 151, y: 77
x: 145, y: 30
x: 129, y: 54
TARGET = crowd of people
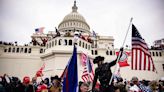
x: 8, y: 43
x: 54, y: 84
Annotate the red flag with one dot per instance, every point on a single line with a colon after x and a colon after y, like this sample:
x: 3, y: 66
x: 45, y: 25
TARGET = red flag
x: 124, y: 59
x: 141, y: 57
x: 39, y: 73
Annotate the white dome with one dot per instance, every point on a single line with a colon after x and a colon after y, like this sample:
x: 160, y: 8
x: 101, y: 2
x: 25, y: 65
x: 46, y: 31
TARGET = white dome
x: 74, y: 20
x: 74, y: 16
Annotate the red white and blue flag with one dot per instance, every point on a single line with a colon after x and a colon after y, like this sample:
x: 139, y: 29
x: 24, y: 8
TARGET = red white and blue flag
x: 70, y: 79
x: 39, y: 30
x: 141, y: 57
x: 88, y: 74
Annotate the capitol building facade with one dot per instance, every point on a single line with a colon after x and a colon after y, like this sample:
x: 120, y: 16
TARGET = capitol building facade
x: 16, y: 60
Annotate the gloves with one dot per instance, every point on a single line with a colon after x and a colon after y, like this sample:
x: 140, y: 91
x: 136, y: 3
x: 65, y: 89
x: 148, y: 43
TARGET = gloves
x: 121, y: 49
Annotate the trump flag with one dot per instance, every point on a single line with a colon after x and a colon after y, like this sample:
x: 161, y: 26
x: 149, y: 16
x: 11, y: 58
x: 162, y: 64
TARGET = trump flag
x: 124, y: 59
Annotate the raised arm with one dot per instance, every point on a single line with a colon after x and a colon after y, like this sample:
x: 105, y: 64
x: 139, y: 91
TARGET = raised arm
x: 114, y: 61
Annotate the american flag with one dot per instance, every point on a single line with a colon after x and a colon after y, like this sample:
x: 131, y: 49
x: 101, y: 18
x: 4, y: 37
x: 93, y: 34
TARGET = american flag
x: 141, y: 57
x: 39, y: 30
x: 88, y: 73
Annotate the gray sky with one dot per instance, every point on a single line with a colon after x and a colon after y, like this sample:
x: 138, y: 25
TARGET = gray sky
x: 19, y: 18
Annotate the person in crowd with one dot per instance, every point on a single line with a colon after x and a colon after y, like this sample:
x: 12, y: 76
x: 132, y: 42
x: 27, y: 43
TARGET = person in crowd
x: 34, y: 82
x: 84, y: 87
x: 56, y: 84
x: 7, y: 83
x: 34, y: 42
x: 138, y: 86
x: 128, y: 85
x: 120, y: 85
x: 42, y: 88
x: 161, y: 86
x: 135, y: 87
x: 2, y: 88
x: 103, y: 73
x: 27, y: 86
x: 153, y: 86
x: 44, y: 41
x: 47, y: 82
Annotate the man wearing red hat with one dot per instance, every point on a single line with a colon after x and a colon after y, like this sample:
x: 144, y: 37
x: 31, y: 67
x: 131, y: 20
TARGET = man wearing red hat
x: 27, y: 86
x: 42, y: 88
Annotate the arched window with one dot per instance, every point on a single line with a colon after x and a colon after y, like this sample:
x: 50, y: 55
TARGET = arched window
x: 153, y: 54
x: 25, y: 51
x: 13, y: 50
x: 113, y: 52
x: 89, y: 47
x: 41, y: 50
x: 157, y: 54
x: 160, y: 54
x: 107, y: 52
x: 92, y: 52
x: 17, y: 50
x: 110, y: 52
x: 47, y: 45
x: 9, y: 49
x: 86, y: 46
x: 60, y: 41
x: 79, y: 43
x: 96, y: 52
x: 65, y: 41
x: 83, y: 44
x: 70, y: 42
x: 55, y: 42
x: 21, y: 50
x: 5, y: 50
x: 29, y: 50
x: 52, y: 43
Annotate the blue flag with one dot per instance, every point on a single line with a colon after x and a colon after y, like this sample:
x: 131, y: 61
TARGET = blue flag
x: 70, y: 81
x: 89, y: 66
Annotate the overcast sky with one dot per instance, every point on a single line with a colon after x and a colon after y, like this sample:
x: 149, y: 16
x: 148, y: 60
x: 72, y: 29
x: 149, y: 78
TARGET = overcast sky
x: 19, y: 18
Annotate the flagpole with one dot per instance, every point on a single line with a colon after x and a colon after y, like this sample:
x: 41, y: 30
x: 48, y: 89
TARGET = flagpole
x: 120, y: 53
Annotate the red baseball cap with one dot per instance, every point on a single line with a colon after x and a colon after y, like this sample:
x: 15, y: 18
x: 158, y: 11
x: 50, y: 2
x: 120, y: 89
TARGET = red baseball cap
x: 41, y: 87
x: 26, y: 80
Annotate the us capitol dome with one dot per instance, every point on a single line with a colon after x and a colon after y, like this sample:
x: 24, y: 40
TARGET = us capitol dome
x: 74, y: 20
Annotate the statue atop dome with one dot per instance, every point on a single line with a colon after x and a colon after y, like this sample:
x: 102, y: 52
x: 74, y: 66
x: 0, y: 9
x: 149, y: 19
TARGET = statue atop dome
x: 74, y: 7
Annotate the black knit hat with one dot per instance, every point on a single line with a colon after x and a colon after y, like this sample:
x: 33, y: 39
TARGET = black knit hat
x: 97, y: 59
